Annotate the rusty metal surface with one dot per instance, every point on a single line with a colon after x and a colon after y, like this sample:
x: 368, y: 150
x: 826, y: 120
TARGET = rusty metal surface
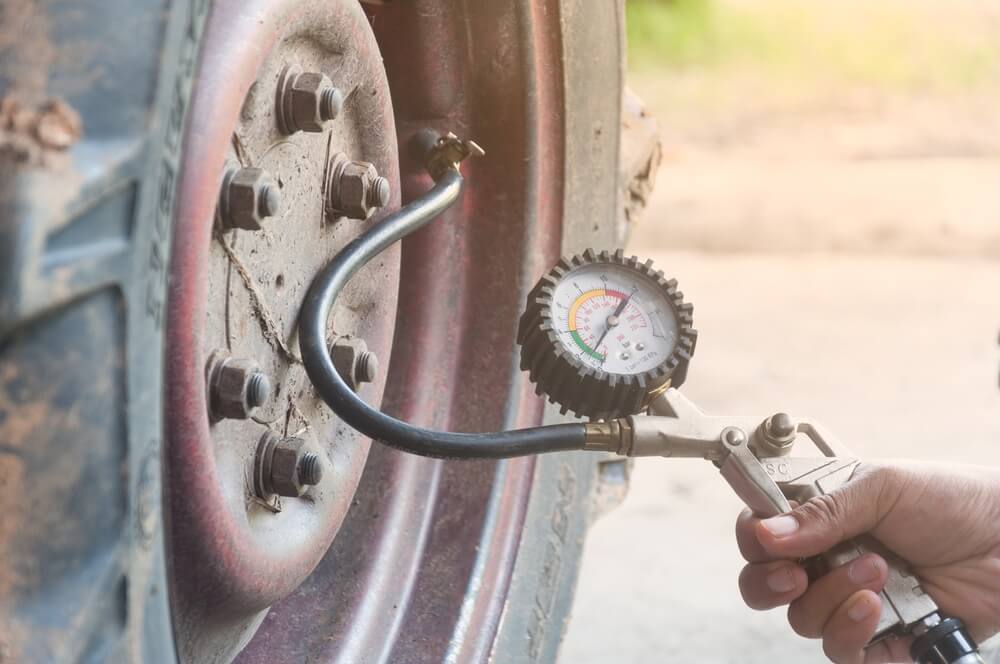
x: 232, y: 555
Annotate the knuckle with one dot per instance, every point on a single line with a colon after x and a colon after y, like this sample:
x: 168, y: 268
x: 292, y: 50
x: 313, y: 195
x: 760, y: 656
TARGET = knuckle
x: 826, y: 509
x: 878, y: 486
x: 879, y: 475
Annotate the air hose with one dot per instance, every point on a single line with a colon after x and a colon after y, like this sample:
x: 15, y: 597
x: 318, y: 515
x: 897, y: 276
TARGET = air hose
x: 353, y: 410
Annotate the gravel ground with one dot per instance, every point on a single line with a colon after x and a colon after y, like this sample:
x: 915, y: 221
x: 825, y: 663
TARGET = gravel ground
x: 897, y: 355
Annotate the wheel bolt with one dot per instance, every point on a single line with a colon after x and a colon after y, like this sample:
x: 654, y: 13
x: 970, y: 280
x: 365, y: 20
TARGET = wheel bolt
x: 285, y: 466
x: 248, y: 197
x: 310, y: 470
x: 378, y: 193
x: 270, y: 200
x: 236, y: 387
x: 366, y: 367
x: 353, y: 361
x: 306, y: 101
x: 355, y: 189
x: 258, y: 389
x: 331, y: 101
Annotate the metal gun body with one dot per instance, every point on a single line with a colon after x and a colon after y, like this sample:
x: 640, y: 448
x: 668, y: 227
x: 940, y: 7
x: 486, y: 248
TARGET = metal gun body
x: 753, y: 456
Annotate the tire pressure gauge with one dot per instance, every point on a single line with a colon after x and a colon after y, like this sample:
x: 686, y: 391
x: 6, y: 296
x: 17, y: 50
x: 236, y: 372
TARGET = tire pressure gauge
x: 603, y: 334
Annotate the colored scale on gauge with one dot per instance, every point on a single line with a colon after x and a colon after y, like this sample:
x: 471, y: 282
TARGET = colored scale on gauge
x: 580, y: 301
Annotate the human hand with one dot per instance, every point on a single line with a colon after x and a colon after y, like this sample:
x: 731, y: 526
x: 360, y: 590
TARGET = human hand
x: 943, y: 520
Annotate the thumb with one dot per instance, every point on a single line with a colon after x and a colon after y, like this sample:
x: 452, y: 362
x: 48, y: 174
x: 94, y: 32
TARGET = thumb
x: 824, y: 521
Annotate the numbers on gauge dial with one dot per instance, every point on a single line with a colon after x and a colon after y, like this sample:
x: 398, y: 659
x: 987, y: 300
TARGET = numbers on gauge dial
x: 614, y: 319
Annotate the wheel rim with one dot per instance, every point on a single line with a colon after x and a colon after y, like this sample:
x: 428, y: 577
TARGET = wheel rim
x: 420, y: 566
x: 231, y: 557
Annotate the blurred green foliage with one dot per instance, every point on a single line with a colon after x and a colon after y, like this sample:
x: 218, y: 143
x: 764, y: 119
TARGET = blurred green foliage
x: 899, y: 44
x: 670, y: 32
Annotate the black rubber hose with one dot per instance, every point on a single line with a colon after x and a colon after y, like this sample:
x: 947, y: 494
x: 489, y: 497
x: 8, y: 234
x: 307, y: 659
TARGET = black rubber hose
x: 352, y: 409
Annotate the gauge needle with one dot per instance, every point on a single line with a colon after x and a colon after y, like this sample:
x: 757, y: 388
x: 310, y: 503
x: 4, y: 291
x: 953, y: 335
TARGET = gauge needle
x: 613, y: 320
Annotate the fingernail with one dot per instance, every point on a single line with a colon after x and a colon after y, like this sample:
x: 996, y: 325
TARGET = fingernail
x: 863, y: 570
x: 860, y: 609
x: 781, y: 526
x: 781, y: 580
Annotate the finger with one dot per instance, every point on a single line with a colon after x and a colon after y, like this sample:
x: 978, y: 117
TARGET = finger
x: 892, y: 650
x: 851, y: 627
x: 767, y: 585
x: 746, y: 538
x: 825, y: 520
x: 809, y: 614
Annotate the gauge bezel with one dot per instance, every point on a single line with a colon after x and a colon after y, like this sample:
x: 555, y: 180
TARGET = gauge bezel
x: 579, y: 387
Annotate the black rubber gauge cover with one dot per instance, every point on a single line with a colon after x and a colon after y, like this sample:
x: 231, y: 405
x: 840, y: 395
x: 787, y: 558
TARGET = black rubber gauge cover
x: 578, y: 387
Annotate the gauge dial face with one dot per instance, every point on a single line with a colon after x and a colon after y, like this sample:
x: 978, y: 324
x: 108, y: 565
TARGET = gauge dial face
x: 614, y: 319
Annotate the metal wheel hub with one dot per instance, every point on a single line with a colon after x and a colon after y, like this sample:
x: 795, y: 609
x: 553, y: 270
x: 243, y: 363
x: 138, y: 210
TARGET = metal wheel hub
x: 290, y: 154
x: 422, y: 561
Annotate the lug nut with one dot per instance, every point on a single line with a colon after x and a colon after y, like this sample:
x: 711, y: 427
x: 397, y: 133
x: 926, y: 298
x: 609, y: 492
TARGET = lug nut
x: 236, y: 387
x: 353, y: 361
x: 248, y: 197
x: 306, y: 101
x: 285, y: 466
x: 355, y: 189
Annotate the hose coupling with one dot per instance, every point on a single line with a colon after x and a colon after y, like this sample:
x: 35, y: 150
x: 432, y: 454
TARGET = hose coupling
x: 609, y: 436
